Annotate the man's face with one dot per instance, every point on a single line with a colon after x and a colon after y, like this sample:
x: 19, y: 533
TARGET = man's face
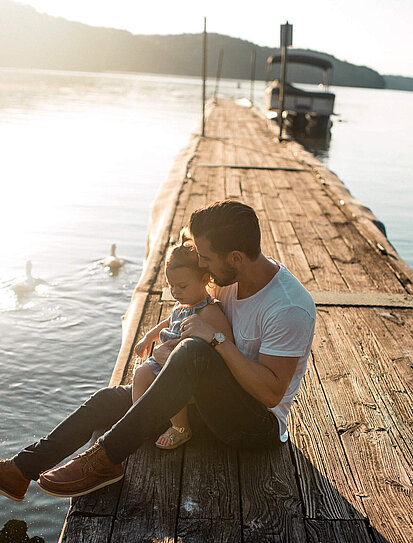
x: 220, y: 270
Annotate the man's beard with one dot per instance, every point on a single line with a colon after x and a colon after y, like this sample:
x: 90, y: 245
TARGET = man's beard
x: 228, y: 277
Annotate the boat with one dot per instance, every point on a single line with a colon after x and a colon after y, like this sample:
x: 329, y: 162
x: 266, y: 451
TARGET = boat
x: 304, y: 111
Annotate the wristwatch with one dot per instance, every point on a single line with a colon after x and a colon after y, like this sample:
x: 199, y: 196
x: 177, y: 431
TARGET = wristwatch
x: 217, y: 339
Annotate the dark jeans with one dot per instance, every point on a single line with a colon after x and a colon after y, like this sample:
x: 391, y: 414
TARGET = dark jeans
x: 193, y: 369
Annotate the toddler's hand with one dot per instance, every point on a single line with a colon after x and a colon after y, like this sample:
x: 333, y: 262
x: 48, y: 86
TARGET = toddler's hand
x: 162, y: 352
x: 143, y: 347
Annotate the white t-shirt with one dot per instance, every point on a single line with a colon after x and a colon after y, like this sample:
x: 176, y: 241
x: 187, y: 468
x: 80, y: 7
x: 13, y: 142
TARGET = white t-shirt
x: 277, y: 320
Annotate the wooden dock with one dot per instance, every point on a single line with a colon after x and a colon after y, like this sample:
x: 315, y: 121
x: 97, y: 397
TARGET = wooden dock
x: 346, y: 473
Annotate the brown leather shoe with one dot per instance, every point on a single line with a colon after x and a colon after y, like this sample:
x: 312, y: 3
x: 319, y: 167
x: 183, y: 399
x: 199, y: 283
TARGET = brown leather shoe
x: 13, y: 484
x: 84, y: 474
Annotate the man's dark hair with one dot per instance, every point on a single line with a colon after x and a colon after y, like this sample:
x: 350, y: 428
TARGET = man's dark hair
x: 228, y: 226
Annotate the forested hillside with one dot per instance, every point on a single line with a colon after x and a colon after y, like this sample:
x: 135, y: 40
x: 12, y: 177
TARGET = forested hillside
x: 32, y: 40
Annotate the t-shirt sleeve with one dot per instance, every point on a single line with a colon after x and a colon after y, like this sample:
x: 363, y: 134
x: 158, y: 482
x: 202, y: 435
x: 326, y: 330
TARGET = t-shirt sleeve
x: 287, y: 333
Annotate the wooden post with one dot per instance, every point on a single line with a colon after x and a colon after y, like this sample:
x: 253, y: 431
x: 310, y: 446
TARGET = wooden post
x: 253, y: 58
x: 285, y: 40
x: 219, y: 68
x: 267, y: 72
x: 204, y: 72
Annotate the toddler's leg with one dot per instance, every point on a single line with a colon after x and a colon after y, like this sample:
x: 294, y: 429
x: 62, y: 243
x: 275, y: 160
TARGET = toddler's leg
x: 142, y: 380
x: 178, y: 434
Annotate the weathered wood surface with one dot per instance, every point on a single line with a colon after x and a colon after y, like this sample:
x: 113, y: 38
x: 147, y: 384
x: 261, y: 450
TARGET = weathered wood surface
x: 346, y: 474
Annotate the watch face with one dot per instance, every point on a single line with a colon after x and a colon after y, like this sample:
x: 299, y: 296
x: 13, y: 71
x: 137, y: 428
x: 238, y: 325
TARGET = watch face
x: 219, y: 336
x: 217, y: 339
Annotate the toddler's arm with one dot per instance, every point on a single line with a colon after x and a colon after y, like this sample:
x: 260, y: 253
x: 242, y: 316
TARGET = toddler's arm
x: 143, y: 347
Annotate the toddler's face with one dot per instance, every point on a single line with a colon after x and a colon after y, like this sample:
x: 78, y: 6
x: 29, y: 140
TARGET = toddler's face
x: 186, y: 285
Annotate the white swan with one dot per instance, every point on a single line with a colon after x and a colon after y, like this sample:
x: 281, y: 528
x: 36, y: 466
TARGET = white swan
x: 27, y: 285
x: 113, y: 262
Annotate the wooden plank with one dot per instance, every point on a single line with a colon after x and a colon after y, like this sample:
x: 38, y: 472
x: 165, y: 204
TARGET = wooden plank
x: 252, y: 196
x: 149, y: 501
x: 397, y: 328
x: 86, y: 529
x: 366, y: 223
x: 209, y: 505
x: 393, y: 397
x: 326, y: 481
x: 331, y: 208
x: 317, y: 256
x: 216, y: 186
x: 198, y: 191
x: 339, y: 531
x: 373, y: 262
x: 346, y: 261
x: 233, y: 184
x: 102, y: 502
x: 360, y: 299
x: 279, y: 180
x: 321, y: 264
x: 378, y: 466
x: 271, y: 506
x: 127, y: 531
x: 292, y: 254
x: 178, y: 220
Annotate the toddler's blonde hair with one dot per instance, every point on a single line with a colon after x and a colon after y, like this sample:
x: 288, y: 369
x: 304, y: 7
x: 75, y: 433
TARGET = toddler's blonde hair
x: 183, y: 254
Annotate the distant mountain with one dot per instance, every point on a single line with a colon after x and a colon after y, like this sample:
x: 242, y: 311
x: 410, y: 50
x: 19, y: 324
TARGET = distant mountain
x: 398, y: 82
x: 32, y: 40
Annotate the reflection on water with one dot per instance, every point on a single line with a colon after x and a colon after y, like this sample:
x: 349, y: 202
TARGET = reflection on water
x: 319, y: 145
x: 82, y: 158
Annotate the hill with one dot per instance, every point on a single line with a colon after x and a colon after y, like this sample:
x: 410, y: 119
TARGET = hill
x: 29, y: 39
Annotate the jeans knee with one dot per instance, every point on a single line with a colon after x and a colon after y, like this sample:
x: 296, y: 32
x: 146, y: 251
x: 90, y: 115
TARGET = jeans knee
x: 194, y: 352
x: 110, y: 396
x: 193, y: 343
x: 190, y: 348
x: 99, y: 397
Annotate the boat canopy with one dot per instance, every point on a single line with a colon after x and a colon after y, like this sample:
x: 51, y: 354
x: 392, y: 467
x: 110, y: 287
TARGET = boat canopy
x: 322, y: 63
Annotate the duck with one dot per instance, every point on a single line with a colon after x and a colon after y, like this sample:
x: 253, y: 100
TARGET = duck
x: 28, y: 284
x: 113, y: 262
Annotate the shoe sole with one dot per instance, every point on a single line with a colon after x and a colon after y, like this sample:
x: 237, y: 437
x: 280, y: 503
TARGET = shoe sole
x: 10, y: 496
x: 83, y: 493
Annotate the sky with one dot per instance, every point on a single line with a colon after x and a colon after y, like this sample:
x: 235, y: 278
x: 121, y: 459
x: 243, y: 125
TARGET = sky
x: 374, y: 33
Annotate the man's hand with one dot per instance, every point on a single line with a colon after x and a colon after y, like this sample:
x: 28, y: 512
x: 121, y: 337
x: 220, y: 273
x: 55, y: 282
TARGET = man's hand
x: 162, y: 352
x: 195, y: 326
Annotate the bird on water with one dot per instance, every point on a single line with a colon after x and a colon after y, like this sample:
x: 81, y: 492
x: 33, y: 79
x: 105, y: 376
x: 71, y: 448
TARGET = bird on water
x: 113, y: 262
x: 23, y: 287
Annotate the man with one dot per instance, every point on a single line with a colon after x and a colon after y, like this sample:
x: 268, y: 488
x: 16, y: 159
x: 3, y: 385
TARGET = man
x: 243, y: 391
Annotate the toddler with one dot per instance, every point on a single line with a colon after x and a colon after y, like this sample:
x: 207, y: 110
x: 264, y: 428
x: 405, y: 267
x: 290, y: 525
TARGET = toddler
x: 188, y: 284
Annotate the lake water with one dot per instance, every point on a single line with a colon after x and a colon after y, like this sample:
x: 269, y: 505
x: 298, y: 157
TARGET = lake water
x: 83, y: 156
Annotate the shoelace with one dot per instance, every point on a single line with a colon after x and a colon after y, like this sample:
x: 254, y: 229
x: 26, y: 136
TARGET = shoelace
x: 89, y: 457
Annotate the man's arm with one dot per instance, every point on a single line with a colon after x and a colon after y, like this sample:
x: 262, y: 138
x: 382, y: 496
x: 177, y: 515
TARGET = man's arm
x: 267, y: 380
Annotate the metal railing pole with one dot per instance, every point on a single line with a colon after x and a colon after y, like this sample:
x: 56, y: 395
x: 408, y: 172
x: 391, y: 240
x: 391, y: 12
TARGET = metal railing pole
x: 286, y: 39
x: 219, y: 69
x: 282, y: 88
x: 204, y: 71
x: 253, y: 59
